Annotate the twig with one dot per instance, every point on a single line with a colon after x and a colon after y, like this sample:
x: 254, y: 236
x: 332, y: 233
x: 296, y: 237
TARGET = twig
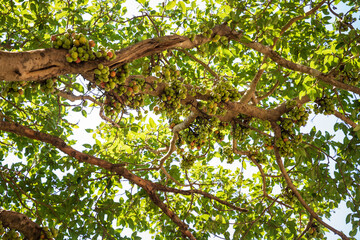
x: 257, y: 219
x: 200, y: 62
x: 74, y: 98
x: 172, y: 178
x: 270, y: 91
x: 306, y: 228
x: 103, y: 116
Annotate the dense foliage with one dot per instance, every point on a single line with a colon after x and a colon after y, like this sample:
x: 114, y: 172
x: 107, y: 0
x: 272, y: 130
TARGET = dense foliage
x: 192, y: 95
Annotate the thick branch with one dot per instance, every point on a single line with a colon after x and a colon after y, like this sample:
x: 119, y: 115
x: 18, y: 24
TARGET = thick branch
x: 43, y: 64
x: 21, y: 223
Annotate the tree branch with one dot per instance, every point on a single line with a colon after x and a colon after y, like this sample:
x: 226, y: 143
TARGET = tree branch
x: 290, y: 184
x: 21, y: 223
x: 260, y: 72
x: 147, y: 185
x: 200, y: 62
x: 345, y: 119
x: 186, y: 123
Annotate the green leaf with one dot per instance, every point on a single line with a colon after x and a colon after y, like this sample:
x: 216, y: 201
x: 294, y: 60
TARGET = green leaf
x: 182, y: 6
x: 357, y: 128
x: 84, y: 113
x: 170, y: 5
x: 152, y: 123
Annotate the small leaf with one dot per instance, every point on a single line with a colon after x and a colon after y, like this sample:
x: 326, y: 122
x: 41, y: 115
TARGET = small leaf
x: 357, y: 128
x: 77, y: 109
x: 170, y: 5
x: 182, y: 6
x: 152, y: 123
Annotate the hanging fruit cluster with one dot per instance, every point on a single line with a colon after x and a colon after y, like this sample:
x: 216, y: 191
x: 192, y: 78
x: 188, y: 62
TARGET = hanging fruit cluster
x: 288, y: 195
x: 9, y: 235
x: 80, y: 48
x: 196, y: 134
x: 299, y: 115
x: 16, y: 89
x: 228, y: 154
x: 284, y: 144
x: 324, y: 105
x: 207, y: 32
x: 48, y: 86
x: 257, y: 155
x: 268, y: 143
x: 171, y: 97
x: 202, y: 129
x: 221, y: 93
x: 109, y: 80
x: 162, y: 72
x: 314, y: 232
x: 126, y: 94
x: 13, y: 89
x: 187, y: 161
x: 49, y: 233
x: 287, y: 142
x: 240, y: 132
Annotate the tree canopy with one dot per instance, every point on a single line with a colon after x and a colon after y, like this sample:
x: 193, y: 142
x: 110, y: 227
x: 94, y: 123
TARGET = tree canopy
x: 202, y: 105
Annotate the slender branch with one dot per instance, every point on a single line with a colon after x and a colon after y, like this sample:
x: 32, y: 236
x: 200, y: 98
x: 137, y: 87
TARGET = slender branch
x: 290, y: 184
x: 172, y: 178
x: 345, y: 119
x: 293, y: 20
x: 326, y: 78
x: 72, y: 97
x: 203, y: 193
x: 103, y: 116
x: 270, y: 91
x: 342, y: 20
x: 57, y: 142
x: 306, y: 228
x: 200, y: 62
x: 157, y: 151
x: 260, y: 72
x: 258, y: 218
x: 186, y: 123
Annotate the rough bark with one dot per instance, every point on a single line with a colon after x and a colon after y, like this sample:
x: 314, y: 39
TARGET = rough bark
x: 43, y: 64
x: 21, y: 223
